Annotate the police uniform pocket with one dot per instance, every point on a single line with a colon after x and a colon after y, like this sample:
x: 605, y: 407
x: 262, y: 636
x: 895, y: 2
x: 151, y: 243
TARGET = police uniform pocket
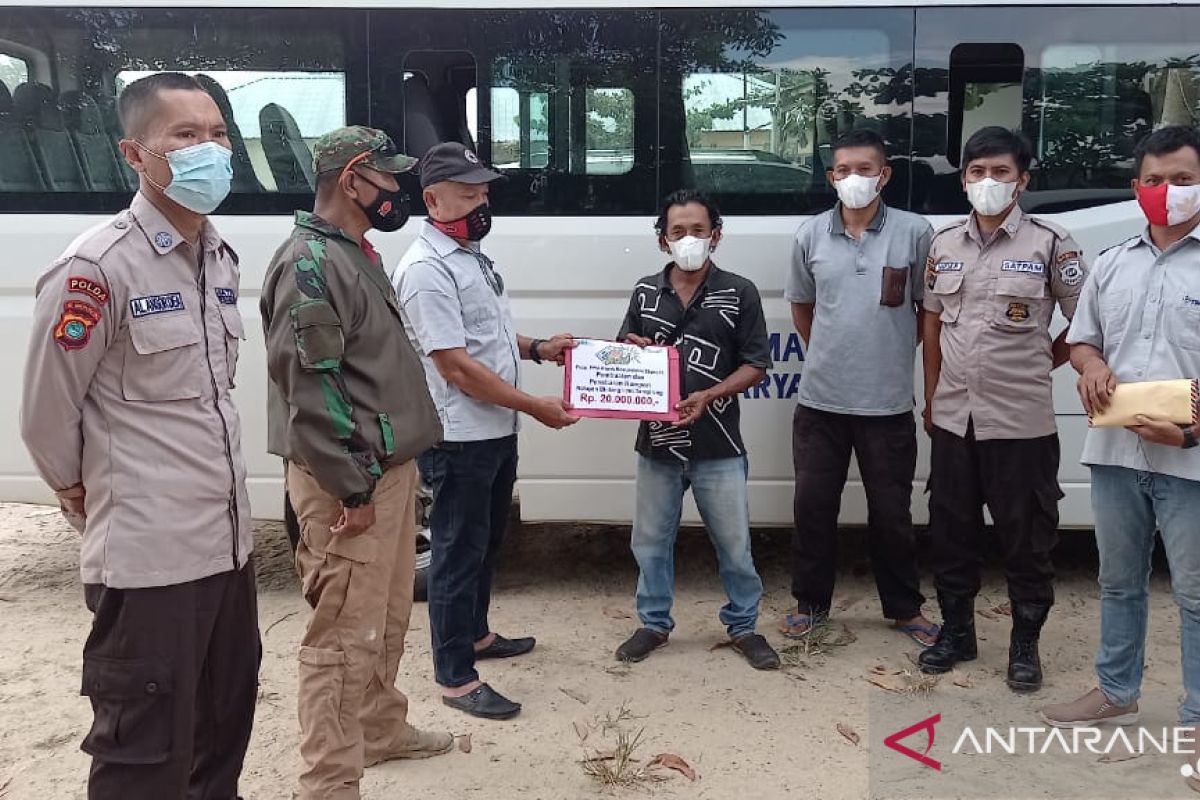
x: 162, y: 361
x: 235, y: 330
x: 1184, y: 325
x: 131, y: 703
x: 1017, y: 302
x: 320, y: 342
x: 948, y: 288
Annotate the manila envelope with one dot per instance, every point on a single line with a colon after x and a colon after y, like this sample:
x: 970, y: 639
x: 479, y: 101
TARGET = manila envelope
x: 1174, y: 401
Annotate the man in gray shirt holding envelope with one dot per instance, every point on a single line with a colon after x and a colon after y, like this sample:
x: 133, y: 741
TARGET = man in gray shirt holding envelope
x: 1138, y: 319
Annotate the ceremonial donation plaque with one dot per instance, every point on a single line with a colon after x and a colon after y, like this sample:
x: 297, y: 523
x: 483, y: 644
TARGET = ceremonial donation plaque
x: 622, y: 381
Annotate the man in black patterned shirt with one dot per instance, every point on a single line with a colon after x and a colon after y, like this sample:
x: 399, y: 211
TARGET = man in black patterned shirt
x: 716, y: 321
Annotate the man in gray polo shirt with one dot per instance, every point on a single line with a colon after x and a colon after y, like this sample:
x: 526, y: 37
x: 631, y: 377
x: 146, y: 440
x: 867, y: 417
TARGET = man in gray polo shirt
x: 1138, y: 319
x: 855, y: 287
x: 457, y: 313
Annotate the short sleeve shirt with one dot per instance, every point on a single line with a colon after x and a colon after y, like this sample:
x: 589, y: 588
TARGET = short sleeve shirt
x: 1141, y: 308
x: 720, y: 331
x: 866, y: 293
x: 996, y: 299
x: 452, y: 297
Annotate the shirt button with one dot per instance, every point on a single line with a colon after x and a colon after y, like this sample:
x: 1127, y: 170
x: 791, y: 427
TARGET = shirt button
x: 120, y: 224
x: 151, y: 688
x: 1139, y: 372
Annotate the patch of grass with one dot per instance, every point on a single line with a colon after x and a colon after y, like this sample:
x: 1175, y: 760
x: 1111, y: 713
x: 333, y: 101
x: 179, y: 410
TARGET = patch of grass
x: 620, y: 768
x: 819, y: 640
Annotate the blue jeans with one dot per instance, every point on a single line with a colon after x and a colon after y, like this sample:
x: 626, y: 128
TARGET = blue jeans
x: 719, y: 487
x: 472, y: 493
x: 1127, y: 504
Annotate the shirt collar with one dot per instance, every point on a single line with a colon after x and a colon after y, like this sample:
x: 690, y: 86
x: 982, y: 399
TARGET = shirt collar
x: 442, y: 244
x: 1010, y: 225
x: 838, y: 227
x: 162, y: 235
x: 664, y: 277
x: 307, y: 219
x: 1145, y: 239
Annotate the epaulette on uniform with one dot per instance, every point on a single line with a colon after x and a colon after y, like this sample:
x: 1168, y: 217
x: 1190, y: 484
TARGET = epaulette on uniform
x: 92, y: 244
x: 957, y: 225
x: 1053, y: 227
x: 1136, y: 237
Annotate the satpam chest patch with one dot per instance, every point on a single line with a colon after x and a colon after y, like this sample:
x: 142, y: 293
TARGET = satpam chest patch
x: 74, y: 328
x: 1017, y: 312
x: 1027, y: 267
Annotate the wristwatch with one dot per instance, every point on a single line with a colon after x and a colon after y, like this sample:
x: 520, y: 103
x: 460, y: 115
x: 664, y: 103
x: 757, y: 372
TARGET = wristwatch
x: 1189, y: 438
x: 533, y: 351
x: 357, y: 500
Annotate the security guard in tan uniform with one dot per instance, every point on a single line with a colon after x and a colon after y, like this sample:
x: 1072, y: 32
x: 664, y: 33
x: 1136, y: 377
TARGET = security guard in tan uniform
x: 128, y: 415
x: 992, y: 282
x: 349, y: 411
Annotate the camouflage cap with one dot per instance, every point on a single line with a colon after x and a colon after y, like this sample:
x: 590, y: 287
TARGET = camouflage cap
x: 338, y: 148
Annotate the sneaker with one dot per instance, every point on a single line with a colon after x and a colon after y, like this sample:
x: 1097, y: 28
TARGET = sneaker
x: 643, y: 642
x: 425, y: 744
x: 1091, y: 709
x: 757, y: 651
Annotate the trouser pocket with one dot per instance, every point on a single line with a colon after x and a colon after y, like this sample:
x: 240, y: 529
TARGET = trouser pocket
x: 322, y: 682
x: 131, y: 704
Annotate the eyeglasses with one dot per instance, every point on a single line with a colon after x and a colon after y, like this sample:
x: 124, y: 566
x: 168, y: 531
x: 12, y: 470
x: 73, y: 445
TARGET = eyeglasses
x: 488, y: 268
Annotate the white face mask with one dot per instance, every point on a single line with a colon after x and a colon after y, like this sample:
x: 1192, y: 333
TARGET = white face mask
x: 990, y: 197
x: 691, y: 253
x: 857, y: 191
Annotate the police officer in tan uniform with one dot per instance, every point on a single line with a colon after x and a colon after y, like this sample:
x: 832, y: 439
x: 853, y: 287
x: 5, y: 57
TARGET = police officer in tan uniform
x: 993, y: 280
x: 128, y: 415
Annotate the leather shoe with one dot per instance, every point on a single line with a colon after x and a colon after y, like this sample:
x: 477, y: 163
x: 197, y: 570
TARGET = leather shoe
x: 506, y: 648
x: 485, y: 702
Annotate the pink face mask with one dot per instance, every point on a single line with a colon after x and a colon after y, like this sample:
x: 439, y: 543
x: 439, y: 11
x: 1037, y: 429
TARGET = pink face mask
x: 1167, y: 204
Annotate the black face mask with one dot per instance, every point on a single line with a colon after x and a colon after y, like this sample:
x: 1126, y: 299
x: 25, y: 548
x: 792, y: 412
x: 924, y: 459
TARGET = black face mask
x: 389, y: 211
x: 473, y: 227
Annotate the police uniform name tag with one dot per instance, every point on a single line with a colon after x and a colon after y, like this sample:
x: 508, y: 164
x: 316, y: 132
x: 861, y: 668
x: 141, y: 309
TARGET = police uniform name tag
x: 156, y: 304
x: 1027, y: 267
x: 622, y: 381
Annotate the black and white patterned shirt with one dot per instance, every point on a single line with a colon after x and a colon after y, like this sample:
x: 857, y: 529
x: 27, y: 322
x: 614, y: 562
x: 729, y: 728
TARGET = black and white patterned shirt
x: 722, y: 330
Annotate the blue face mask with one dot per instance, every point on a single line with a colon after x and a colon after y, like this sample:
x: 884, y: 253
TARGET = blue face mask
x: 201, y: 175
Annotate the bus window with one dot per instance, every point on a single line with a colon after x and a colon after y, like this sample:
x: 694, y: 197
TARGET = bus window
x: 610, y: 117
x: 13, y: 72
x: 1090, y: 86
x: 985, y: 90
x: 278, y: 117
x: 520, y: 129
x: 280, y: 80
x: 752, y: 100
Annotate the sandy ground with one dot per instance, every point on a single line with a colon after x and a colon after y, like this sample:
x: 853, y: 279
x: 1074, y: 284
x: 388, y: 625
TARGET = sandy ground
x: 747, y: 734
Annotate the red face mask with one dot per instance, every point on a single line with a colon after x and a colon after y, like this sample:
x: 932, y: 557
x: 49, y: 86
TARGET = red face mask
x: 1153, y: 200
x: 473, y: 227
x: 1168, y: 204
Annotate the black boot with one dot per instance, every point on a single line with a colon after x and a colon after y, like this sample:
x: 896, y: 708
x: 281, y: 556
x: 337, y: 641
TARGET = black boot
x: 956, y: 641
x: 1024, y: 663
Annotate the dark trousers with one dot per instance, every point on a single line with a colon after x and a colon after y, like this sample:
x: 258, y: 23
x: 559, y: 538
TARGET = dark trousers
x: 472, y: 494
x: 172, y: 674
x: 886, y: 449
x: 1018, y: 481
